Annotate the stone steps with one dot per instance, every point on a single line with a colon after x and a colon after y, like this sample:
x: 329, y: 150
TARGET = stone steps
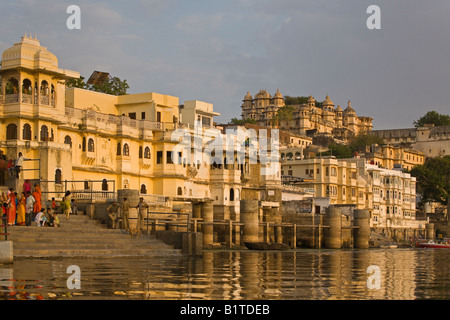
x: 93, y: 253
x: 82, y: 237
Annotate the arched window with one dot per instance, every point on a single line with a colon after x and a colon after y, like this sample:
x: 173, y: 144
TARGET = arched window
x: 126, y: 150
x: 143, y: 189
x: 26, y: 133
x: 140, y: 152
x: 58, y: 176
x: 119, y: 148
x: 44, y: 88
x: 104, y: 185
x: 26, y: 87
x: 84, y: 144
x: 231, y: 194
x: 147, y: 154
x: 11, y: 132
x: 44, y: 133
x: 68, y: 140
x: 12, y: 86
x: 179, y: 191
x: 91, y: 147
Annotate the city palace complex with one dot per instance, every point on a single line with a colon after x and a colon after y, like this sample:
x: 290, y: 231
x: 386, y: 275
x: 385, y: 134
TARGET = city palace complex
x: 96, y: 145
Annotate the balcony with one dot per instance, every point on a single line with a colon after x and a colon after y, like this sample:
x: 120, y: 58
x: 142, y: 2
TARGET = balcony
x: 11, y: 98
x: 27, y: 98
x: 145, y: 162
x: 88, y: 155
x: 45, y: 100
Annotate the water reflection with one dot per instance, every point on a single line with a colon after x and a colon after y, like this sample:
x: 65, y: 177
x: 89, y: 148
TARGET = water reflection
x: 237, y: 275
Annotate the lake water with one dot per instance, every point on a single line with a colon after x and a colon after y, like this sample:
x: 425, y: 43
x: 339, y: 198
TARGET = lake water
x: 405, y: 274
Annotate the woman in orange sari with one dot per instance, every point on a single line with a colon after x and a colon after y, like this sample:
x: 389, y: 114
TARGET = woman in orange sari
x: 21, y: 210
x: 11, y: 210
x: 37, y: 197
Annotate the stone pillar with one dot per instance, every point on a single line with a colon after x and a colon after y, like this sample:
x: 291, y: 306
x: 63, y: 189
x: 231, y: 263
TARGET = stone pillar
x: 272, y: 215
x: 361, y: 235
x: 431, y: 234
x: 6, y: 252
x: 192, y: 243
x: 207, y: 211
x: 333, y: 234
x: 196, y: 210
x: 249, y: 217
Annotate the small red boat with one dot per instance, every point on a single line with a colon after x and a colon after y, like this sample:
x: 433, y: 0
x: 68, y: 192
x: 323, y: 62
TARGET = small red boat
x: 438, y: 244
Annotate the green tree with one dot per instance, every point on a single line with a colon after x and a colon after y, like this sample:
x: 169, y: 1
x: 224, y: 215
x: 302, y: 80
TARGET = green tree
x: 241, y: 122
x: 432, y: 117
x: 289, y: 101
x: 361, y: 141
x: 339, y: 151
x: 114, y: 86
x: 433, y: 180
x: 283, y: 114
x: 77, y: 83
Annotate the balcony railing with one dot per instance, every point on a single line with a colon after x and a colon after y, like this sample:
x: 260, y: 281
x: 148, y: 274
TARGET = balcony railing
x: 45, y: 100
x: 27, y: 98
x: 12, y: 98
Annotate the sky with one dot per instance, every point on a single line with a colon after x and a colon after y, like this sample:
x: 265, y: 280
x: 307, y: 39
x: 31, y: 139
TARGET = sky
x: 217, y: 50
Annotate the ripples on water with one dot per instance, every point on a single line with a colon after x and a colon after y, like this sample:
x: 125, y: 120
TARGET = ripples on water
x: 406, y: 274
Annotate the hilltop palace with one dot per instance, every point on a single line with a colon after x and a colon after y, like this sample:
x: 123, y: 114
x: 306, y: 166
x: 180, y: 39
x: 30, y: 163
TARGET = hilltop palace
x: 308, y: 117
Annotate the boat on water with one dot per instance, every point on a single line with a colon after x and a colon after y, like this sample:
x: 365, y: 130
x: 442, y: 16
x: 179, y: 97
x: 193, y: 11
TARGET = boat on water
x: 436, y: 244
x: 388, y: 246
x: 266, y: 246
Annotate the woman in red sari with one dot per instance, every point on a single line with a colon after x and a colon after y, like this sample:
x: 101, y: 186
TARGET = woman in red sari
x: 11, y: 210
x: 37, y: 197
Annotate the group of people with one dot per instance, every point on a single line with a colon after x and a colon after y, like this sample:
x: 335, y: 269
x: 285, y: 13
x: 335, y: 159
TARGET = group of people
x: 21, y: 208
x: 113, y: 213
x: 10, y: 167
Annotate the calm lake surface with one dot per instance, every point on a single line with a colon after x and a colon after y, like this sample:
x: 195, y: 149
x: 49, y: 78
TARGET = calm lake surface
x: 405, y: 274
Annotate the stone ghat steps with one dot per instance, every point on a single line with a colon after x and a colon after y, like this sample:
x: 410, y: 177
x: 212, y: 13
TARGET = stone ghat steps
x: 60, y: 246
x: 82, y: 237
x: 92, y: 253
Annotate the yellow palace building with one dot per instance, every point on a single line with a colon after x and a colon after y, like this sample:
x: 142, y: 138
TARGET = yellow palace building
x: 95, y: 144
x: 94, y: 140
